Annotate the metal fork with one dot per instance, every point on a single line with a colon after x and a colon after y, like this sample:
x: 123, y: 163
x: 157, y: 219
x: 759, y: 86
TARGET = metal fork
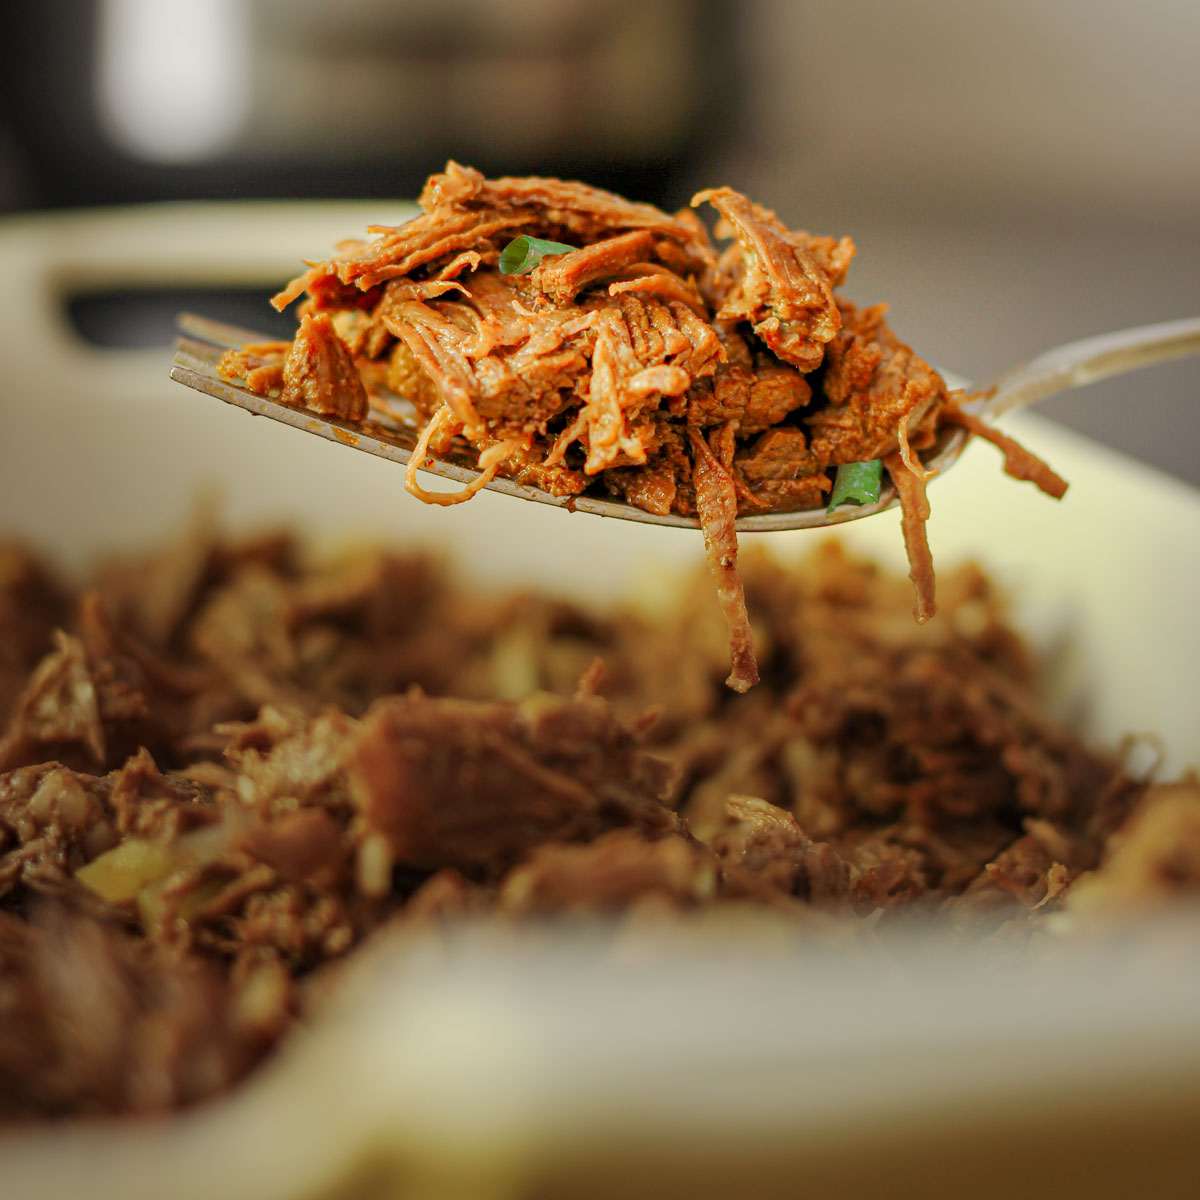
x: 391, y: 430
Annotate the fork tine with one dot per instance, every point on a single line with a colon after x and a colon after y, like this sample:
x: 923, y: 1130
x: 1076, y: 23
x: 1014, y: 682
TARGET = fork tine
x: 219, y: 333
x: 386, y: 442
x: 197, y: 356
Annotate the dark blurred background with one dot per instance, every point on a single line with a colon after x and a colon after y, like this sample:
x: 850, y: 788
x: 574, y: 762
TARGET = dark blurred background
x: 1016, y: 173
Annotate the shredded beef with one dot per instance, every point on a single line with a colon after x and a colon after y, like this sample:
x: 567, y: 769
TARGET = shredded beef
x: 616, y: 873
x: 1018, y: 462
x: 32, y: 605
x: 563, y: 276
x: 319, y: 373
x: 598, y: 368
x: 716, y: 498
x: 227, y: 770
x: 477, y: 786
x: 914, y: 509
x: 781, y: 282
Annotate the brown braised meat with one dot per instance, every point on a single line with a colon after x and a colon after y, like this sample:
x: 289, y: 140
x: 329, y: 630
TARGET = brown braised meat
x: 32, y: 604
x: 600, y: 366
x: 227, y: 770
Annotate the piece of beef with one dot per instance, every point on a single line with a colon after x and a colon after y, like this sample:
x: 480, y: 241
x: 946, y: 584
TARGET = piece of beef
x: 258, y: 364
x: 287, y: 761
x: 616, y: 872
x: 465, y: 212
x: 754, y: 397
x: 95, y: 699
x: 763, y: 849
x: 562, y: 277
x: 437, y: 237
x: 477, y: 786
x: 585, y: 212
x: 52, y: 821
x: 498, y: 369
x: 315, y: 371
x: 875, y: 386
x: 32, y: 604
x: 784, y: 280
x: 779, y: 470
x: 319, y: 373
x: 653, y: 487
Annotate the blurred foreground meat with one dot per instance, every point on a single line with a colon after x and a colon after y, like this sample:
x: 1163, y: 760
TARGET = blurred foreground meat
x: 228, y: 769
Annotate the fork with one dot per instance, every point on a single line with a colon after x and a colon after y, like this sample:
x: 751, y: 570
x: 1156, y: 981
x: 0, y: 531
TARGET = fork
x: 391, y: 430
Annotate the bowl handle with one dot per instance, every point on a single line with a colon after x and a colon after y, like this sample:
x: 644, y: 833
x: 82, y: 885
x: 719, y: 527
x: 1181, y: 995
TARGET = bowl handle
x: 50, y: 258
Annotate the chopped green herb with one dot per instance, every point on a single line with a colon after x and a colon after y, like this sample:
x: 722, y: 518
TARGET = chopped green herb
x: 857, y: 483
x: 524, y: 253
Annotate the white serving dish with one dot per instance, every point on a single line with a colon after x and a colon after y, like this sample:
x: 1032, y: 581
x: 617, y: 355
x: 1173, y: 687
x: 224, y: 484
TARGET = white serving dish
x: 461, y: 1075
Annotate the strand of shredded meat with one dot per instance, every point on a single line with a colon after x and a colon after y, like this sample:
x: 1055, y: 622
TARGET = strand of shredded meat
x: 914, y: 512
x: 607, y: 366
x: 1018, y: 462
x: 716, y: 500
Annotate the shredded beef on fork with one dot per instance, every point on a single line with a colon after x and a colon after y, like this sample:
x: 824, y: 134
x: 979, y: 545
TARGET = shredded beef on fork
x: 607, y: 367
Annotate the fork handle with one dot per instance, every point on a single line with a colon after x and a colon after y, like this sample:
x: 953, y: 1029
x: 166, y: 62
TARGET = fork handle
x: 1090, y: 359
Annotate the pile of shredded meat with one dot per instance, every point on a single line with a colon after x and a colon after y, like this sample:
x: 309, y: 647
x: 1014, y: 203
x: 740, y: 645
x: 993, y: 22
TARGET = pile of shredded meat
x: 221, y: 769
x: 638, y: 358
